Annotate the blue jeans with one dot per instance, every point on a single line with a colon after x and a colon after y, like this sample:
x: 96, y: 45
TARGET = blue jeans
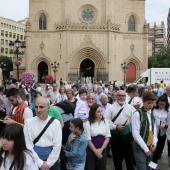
x: 77, y: 166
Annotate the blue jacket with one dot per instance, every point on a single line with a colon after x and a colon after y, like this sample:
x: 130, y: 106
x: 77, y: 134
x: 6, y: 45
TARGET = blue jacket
x: 76, y: 150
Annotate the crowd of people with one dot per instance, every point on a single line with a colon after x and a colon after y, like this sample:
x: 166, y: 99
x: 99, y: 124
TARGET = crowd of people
x: 77, y: 127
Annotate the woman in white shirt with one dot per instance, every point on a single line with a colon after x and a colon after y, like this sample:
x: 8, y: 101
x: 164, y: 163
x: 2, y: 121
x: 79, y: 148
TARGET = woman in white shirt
x: 14, y: 154
x: 161, y: 114
x: 62, y: 95
x: 98, y: 136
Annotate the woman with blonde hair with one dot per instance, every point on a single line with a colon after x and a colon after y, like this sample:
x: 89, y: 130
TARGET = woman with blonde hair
x: 62, y: 95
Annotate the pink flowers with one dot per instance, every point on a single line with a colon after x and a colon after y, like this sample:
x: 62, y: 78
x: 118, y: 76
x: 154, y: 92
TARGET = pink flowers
x: 18, y: 62
x: 27, y: 76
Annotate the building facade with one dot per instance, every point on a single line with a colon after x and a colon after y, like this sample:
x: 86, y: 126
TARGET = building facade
x: 168, y: 29
x: 157, y: 35
x: 89, y: 38
x: 10, y: 31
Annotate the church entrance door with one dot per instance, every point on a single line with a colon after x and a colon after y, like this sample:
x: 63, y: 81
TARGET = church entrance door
x: 87, y: 69
x: 42, y: 71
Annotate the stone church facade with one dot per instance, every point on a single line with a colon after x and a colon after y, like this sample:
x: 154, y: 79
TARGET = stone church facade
x: 89, y: 38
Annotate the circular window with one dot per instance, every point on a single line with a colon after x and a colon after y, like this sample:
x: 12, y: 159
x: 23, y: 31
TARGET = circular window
x: 87, y: 14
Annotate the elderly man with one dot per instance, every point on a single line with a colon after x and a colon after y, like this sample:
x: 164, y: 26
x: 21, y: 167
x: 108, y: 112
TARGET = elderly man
x: 47, y: 147
x: 104, y: 102
x: 118, y: 116
x: 99, y: 91
x: 53, y: 93
x: 91, y: 99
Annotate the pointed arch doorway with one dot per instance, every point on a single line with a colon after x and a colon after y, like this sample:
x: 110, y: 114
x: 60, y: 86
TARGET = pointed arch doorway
x: 87, y: 68
x: 42, y: 71
x: 131, y: 73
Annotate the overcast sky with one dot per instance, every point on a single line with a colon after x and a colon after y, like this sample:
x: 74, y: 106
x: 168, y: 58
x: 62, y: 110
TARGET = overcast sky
x: 156, y: 10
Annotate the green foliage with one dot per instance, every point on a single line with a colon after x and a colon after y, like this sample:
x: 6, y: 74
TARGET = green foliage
x: 9, y: 65
x: 161, y: 59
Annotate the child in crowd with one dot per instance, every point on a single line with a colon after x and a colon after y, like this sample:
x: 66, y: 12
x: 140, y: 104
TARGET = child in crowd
x: 46, y: 88
x: 144, y: 132
x: 13, y: 153
x: 82, y: 109
x: 75, y: 149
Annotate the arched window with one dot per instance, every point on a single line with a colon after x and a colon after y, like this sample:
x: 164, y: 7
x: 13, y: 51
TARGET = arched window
x: 42, y: 22
x: 131, y: 24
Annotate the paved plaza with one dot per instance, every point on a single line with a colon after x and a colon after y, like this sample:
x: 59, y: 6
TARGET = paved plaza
x: 163, y: 163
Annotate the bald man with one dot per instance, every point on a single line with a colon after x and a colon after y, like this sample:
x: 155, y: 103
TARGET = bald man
x: 118, y: 116
x: 47, y: 148
x: 104, y: 102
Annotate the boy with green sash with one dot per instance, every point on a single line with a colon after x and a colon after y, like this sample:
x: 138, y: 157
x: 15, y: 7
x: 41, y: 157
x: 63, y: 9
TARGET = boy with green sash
x: 144, y: 132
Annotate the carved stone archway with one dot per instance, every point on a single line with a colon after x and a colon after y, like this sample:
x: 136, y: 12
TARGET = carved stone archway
x: 95, y: 56
x: 35, y: 64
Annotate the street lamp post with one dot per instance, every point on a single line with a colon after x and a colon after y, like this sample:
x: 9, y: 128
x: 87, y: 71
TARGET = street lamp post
x: 15, y: 49
x: 3, y: 67
x: 124, y: 67
x: 55, y: 67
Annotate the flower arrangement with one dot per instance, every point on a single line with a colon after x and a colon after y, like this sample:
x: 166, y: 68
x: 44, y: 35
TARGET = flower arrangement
x: 18, y: 62
x: 27, y: 76
x: 49, y: 79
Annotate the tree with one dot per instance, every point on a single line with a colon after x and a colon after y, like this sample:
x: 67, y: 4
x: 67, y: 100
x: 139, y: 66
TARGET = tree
x: 9, y: 65
x: 161, y: 59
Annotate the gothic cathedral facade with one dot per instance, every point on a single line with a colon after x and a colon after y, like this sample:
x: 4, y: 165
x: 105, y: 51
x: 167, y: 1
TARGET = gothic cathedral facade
x: 88, y: 38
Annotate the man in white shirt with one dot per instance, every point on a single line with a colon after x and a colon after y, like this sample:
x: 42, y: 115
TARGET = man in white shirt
x: 53, y: 93
x: 118, y: 116
x: 144, y: 132
x: 20, y: 110
x: 131, y: 92
x: 47, y: 148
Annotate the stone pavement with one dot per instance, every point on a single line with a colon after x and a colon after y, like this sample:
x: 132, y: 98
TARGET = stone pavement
x: 162, y: 164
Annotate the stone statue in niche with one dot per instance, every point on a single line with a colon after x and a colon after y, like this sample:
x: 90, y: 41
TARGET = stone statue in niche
x: 87, y: 39
x: 42, y: 45
x: 132, y: 48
